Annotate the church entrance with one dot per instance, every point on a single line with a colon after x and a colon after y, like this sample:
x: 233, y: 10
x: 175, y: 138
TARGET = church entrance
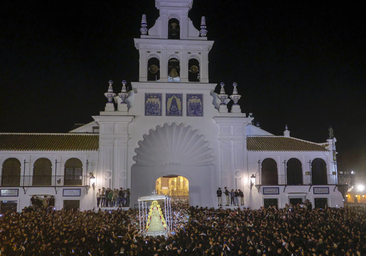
x: 177, y: 187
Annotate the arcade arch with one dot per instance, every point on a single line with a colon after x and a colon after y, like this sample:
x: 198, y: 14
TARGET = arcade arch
x: 176, y: 151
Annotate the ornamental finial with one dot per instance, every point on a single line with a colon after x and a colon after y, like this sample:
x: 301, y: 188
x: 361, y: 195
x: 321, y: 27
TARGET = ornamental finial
x: 110, y: 94
x: 123, y: 94
x: 222, y: 96
x: 143, y: 28
x: 235, y: 97
x: 222, y: 90
x: 203, y: 31
x: 331, y: 132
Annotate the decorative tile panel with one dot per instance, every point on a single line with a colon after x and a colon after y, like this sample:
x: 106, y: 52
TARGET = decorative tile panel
x: 271, y: 190
x: 174, y: 104
x: 321, y: 190
x: 153, y: 104
x: 194, y: 104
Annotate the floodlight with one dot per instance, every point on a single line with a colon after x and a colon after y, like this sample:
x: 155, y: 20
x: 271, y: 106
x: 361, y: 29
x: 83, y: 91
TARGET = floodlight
x: 360, y: 187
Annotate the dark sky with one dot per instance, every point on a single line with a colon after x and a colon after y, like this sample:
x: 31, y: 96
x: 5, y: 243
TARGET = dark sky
x: 300, y: 63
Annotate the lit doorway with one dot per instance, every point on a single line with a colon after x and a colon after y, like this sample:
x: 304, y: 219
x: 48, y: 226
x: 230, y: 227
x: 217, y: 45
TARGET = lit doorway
x: 177, y: 187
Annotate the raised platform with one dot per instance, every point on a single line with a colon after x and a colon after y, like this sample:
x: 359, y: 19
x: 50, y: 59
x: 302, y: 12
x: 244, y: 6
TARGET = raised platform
x: 104, y: 209
x: 232, y: 207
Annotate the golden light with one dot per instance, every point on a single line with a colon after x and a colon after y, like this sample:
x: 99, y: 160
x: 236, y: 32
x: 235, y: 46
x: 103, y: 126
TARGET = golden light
x: 175, y: 186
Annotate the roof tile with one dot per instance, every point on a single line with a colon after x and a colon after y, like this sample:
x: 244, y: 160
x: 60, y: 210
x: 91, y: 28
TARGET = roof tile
x: 48, y: 142
x: 279, y: 143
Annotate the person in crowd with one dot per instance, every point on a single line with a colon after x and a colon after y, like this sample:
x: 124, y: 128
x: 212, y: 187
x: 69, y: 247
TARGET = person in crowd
x: 219, y: 196
x: 33, y: 202
x: 51, y: 201
x: 227, y: 193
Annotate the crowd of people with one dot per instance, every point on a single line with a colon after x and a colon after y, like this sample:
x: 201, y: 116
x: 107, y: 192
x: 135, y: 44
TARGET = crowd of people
x: 232, y: 197
x: 42, y: 202
x: 197, y: 231
x: 113, y: 197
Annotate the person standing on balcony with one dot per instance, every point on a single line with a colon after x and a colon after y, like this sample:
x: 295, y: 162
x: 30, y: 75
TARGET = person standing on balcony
x: 110, y: 197
x: 99, y: 197
x: 227, y: 193
x: 236, y: 197
x: 219, y: 198
x: 232, y: 195
x: 241, y: 194
x: 103, y: 197
x: 128, y: 194
x: 120, y: 197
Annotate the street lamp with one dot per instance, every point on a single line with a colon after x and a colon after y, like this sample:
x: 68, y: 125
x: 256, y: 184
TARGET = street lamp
x: 92, y: 180
x: 252, y: 181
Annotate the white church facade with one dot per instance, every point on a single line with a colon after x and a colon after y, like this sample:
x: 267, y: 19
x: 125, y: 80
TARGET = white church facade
x: 170, y: 123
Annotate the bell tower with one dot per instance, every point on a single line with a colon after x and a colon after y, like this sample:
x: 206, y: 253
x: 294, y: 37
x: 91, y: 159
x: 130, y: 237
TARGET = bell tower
x: 173, y: 50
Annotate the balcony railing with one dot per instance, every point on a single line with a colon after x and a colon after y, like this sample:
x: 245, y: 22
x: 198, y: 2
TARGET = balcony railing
x: 284, y: 180
x: 43, y: 181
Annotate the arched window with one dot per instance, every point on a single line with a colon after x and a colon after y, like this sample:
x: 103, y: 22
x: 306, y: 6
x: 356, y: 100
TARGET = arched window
x: 73, y: 172
x: 42, y: 172
x: 173, y: 29
x: 269, y: 172
x: 193, y: 70
x: 173, y: 70
x: 153, y: 69
x: 319, y: 172
x: 294, y: 172
x: 10, y: 175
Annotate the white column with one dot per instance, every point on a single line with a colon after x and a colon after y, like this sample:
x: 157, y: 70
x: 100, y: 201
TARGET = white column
x: 143, y: 66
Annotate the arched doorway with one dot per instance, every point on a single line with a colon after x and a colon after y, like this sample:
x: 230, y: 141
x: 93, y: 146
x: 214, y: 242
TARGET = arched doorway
x: 174, y: 150
x: 177, y: 187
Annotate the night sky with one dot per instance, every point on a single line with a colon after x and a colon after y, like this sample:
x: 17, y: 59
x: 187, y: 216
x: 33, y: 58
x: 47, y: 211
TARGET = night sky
x: 300, y: 63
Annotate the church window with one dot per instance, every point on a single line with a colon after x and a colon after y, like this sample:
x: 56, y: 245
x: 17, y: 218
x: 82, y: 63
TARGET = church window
x: 153, y: 70
x: 10, y: 173
x: 42, y: 172
x: 173, y: 70
x: 73, y: 172
x: 294, y: 172
x: 193, y: 70
x: 269, y: 172
x: 173, y: 29
x: 319, y: 172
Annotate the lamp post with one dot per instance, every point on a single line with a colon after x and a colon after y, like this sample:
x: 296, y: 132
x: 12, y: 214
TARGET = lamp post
x: 92, y: 180
x: 252, y: 181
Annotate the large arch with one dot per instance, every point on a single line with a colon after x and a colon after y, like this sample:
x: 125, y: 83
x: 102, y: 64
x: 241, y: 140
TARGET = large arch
x: 294, y: 172
x: 10, y: 174
x: 174, y: 149
x: 73, y: 174
x: 318, y: 172
x: 42, y: 172
x: 269, y: 172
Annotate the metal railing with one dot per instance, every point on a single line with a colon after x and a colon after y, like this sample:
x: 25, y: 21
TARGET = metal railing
x: 284, y: 180
x: 43, y: 181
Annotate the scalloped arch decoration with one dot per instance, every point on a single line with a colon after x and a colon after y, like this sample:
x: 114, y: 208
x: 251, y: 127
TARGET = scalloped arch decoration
x: 173, y: 145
